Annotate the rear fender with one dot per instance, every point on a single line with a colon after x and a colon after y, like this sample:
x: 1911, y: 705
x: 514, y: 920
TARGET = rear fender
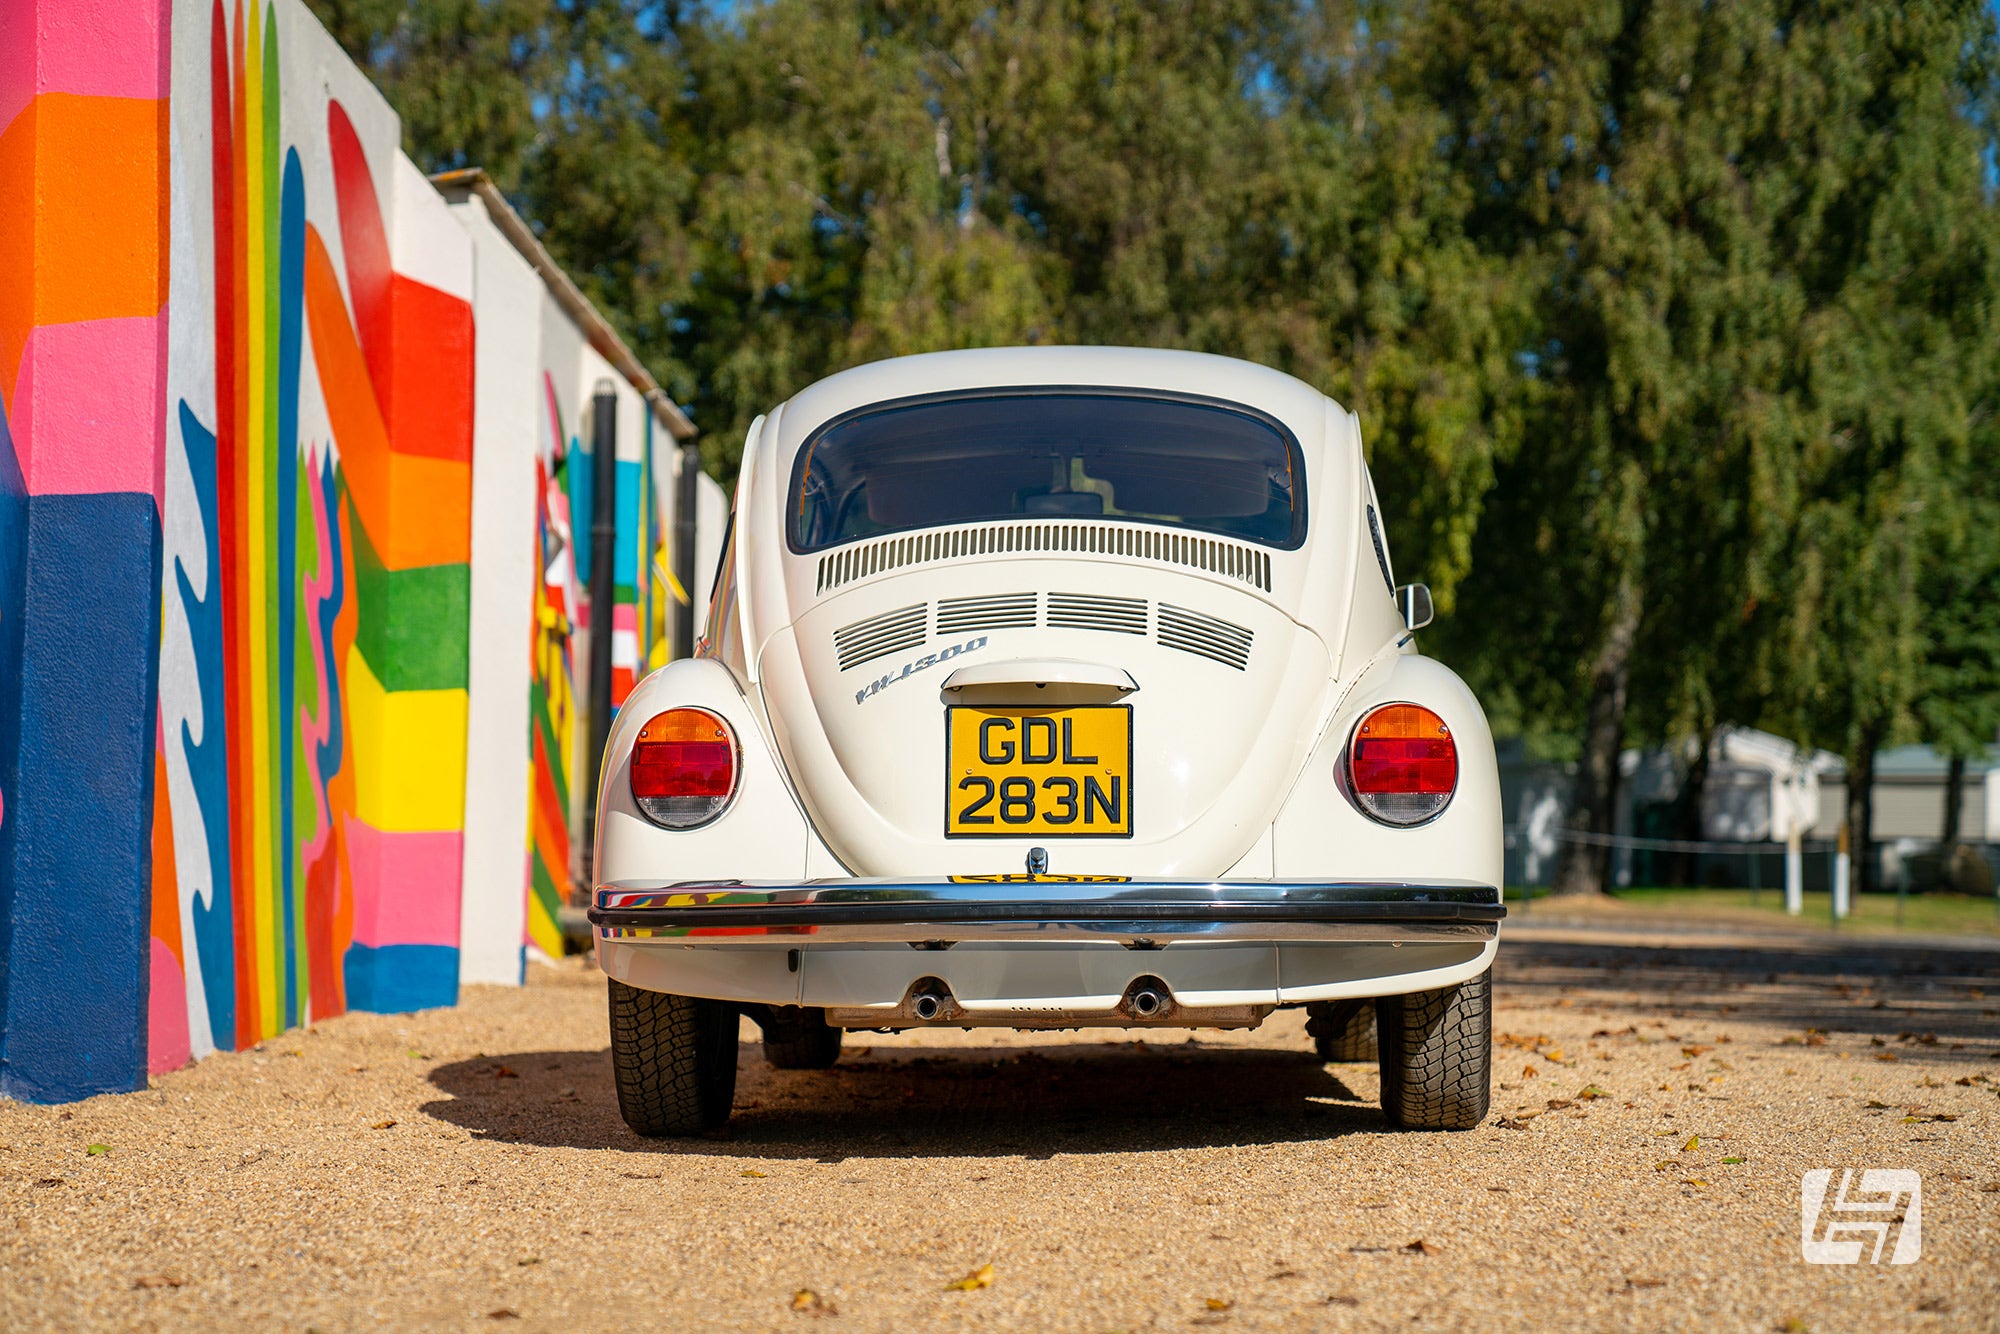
x: 1321, y: 830
x: 762, y: 833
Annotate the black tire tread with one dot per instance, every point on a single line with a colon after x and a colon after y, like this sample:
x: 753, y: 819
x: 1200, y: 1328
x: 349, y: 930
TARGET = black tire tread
x: 673, y: 1059
x: 802, y: 1041
x: 1352, y: 1040
x: 1437, y: 1055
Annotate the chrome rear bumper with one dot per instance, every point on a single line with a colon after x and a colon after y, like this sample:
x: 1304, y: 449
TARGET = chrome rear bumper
x: 1140, y: 913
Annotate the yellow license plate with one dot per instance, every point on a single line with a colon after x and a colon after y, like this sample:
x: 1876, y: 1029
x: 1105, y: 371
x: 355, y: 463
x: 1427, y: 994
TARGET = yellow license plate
x: 1050, y: 773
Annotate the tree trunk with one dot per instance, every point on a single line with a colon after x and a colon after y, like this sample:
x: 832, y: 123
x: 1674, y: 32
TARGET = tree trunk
x: 1866, y: 874
x: 1688, y: 804
x: 1954, y: 799
x: 1585, y: 867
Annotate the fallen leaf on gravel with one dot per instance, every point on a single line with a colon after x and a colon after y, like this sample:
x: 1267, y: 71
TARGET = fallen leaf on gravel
x: 1589, y: 1092
x: 505, y: 1072
x: 1342, y: 1299
x: 1218, y: 1303
x: 1422, y: 1247
x: 1875, y: 1106
x: 1885, y: 1056
x: 1529, y: 1072
x: 1727, y: 1161
x: 1661, y: 1167
x: 50, y: 1181
x: 1553, y: 1054
x: 1936, y: 1305
x: 1692, y: 1052
x: 808, y: 1302
x: 1924, y: 1119
x: 530, y: 1260
x: 753, y: 1172
x: 159, y: 1281
x: 1694, y: 1142
x: 383, y: 1125
x: 1632, y: 1283
x: 981, y: 1277
x: 98, y: 1150
x: 1693, y: 1181
x: 1284, y: 1273
x: 503, y: 1313
x: 1991, y: 1187
x: 1557, y: 1104
x: 1513, y: 1122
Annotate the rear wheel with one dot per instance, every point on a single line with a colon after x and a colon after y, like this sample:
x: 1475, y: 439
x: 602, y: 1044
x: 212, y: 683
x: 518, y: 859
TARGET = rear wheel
x: 1342, y: 1030
x: 799, y: 1038
x: 674, y: 1059
x: 1437, y: 1055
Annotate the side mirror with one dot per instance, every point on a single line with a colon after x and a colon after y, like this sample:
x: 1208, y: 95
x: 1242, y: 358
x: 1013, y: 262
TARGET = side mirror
x: 1414, y: 601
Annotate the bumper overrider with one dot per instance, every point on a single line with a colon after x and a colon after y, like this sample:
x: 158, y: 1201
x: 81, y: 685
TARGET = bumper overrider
x: 1139, y: 913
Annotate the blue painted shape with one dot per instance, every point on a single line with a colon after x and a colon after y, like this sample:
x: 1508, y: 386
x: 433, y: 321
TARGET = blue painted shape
x: 13, y: 593
x: 582, y: 474
x: 78, y: 853
x: 393, y: 979
x: 208, y: 763
x: 625, y: 564
x: 291, y: 285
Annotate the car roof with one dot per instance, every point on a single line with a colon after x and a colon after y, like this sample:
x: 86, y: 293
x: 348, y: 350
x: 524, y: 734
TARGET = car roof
x: 1292, y: 401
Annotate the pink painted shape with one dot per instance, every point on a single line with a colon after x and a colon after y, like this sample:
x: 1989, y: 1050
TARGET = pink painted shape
x: 405, y: 886
x: 166, y: 1013
x: 625, y: 616
x: 100, y: 48
x: 89, y: 407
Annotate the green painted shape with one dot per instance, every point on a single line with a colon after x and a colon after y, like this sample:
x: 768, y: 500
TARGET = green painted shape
x: 411, y: 625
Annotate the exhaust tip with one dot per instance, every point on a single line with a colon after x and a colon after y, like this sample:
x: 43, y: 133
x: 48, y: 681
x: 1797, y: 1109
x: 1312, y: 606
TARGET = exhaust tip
x: 931, y: 999
x: 1148, y: 998
x: 928, y: 1007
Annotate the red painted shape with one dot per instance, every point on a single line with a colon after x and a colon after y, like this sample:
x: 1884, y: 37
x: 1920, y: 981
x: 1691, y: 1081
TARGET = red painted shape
x: 430, y: 399
x: 364, y: 246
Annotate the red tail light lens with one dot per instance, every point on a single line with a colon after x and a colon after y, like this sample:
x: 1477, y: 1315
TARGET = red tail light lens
x: 1402, y: 764
x: 684, y: 768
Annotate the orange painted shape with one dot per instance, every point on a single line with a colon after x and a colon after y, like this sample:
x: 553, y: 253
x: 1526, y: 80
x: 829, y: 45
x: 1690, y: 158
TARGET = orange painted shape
x: 417, y: 510
x: 84, y: 180
x: 430, y: 396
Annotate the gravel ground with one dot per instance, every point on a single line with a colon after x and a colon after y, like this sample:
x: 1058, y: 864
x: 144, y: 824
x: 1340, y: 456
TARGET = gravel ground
x: 467, y: 1168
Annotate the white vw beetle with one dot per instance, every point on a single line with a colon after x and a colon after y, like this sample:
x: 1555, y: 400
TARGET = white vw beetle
x: 1050, y: 688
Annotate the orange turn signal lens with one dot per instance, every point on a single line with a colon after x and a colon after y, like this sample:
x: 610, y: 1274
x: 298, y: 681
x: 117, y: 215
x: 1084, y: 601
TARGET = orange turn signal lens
x: 1402, y: 764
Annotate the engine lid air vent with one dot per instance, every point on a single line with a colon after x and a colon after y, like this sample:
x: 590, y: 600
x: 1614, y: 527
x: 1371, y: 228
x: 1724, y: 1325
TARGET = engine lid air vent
x: 1133, y: 541
x: 890, y: 632
x: 1084, y: 611
x: 999, y: 612
x: 1209, y: 636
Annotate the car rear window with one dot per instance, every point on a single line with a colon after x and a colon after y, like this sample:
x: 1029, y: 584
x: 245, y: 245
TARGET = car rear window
x: 1049, y: 454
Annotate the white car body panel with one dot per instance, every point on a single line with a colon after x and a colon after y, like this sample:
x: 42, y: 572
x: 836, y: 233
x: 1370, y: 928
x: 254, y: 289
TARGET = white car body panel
x: 1237, y: 772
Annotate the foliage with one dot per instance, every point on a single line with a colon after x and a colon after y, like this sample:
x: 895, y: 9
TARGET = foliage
x: 1671, y: 324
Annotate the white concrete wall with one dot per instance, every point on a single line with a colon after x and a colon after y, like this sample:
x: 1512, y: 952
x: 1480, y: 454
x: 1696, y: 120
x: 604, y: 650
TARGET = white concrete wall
x: 493, y: 907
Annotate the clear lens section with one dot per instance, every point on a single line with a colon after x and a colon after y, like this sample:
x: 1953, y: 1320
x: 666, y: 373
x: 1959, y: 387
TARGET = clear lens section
x: 1403, y: 764
x: 684, y: 768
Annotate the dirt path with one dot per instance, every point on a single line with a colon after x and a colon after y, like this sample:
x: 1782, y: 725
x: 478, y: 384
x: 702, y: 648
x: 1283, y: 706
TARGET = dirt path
x: 468, y: 1169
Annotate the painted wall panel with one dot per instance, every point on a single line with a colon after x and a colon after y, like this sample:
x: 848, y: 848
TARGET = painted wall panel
x: 507, y: 407
x: 83, y: 285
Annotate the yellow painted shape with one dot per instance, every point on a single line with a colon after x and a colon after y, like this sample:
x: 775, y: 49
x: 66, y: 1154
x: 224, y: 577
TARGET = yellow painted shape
x: 543, y: 929
x: 409, y: 753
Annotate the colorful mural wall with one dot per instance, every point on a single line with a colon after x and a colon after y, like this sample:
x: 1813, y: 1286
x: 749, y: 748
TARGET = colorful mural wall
x: 243, y: 390
x: 314, y: 604
x: 83, y: 291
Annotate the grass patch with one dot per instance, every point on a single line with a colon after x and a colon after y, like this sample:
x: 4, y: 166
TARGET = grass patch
x: 1927, y: 914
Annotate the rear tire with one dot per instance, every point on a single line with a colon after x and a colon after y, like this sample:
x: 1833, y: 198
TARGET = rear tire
x: 1343, y: 1030
x: 674, y: 1059
x: 800, y: 1038
x: 1437, y: 1055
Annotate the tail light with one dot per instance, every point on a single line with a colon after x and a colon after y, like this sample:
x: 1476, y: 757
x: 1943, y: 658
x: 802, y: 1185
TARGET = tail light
x: 685, y: 767
x: 1402, y: 764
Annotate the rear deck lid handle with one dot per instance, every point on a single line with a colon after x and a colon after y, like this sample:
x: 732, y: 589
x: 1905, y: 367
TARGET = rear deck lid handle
x: 1042, y: 671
